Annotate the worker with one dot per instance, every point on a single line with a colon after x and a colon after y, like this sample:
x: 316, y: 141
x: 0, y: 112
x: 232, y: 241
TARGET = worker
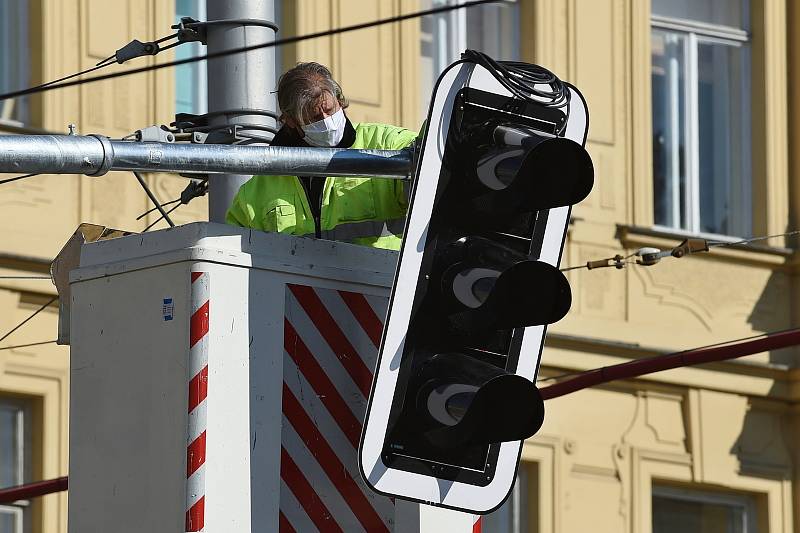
x: 367, y: 211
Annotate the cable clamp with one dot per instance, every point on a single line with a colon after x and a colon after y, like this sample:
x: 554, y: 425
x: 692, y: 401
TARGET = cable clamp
x: 136, y: 48
x: 154, y: 134
x: 190, y: 30
x: 195, y: 189
x: 617, y: 262
x: 690, y: 246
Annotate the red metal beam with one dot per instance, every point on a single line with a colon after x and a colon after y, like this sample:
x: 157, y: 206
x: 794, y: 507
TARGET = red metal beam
x: 633, y: 369
x: 32, y: 490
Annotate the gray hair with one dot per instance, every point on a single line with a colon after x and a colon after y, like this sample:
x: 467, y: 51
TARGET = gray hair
x: 301, y: 87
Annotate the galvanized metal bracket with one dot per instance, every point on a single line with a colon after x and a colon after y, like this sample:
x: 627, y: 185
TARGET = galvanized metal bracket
x: 108, y: 156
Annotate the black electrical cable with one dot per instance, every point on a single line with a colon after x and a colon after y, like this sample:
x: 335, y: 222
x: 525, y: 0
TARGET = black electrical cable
x: 522, y: 79
x: 26, y: 345
x: 165, y: 204
x: 159, y: 219
x: 15, y: 328
x: 195, y: 189
x: 9, y: 180
x: 278, y: 42
x: 50, y: 84
x: 153, y: 199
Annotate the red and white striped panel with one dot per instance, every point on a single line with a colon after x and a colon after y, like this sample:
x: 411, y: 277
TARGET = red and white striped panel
x: 331, y: 341
x: 197, y: 377
x: 476, y: 525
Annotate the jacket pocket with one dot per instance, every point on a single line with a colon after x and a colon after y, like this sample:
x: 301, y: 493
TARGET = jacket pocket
x: 282, y: 218
x: 353, y: 199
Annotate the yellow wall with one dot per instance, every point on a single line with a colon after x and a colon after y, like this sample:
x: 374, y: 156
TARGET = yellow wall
x: 724, y: 427
x: 37, y: 215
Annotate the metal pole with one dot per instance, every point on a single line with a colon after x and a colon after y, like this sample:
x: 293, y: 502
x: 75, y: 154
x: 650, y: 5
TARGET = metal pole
x: 96, y: 155
x: 239, y: 81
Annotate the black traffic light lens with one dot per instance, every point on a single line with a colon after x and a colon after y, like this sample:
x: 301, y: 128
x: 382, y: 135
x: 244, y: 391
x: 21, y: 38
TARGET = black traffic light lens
x: 491, y: 286
x: 520, y: 170
x: 477, y: 403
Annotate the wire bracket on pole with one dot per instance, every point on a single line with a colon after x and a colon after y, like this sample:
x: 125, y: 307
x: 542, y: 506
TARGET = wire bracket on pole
x: 159, y: 134
x: 190, y: 30
x: 201, y: 131
x: 137, y: 48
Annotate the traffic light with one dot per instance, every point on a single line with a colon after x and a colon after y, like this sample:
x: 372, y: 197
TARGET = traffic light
x: 501, y: 163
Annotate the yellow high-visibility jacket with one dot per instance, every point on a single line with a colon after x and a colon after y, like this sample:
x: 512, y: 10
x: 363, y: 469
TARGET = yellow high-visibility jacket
x: 366, y: 211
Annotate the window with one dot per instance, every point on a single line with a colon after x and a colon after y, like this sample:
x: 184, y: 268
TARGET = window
x: 701, y: 512
x: 14, y: 59
x: 191, y: 85
x: 512, y: 516
x: 491, y: 28
x: 701, y: 116
x: 14, y: 462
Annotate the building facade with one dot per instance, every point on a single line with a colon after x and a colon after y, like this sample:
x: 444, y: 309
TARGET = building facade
x: 693, y: 132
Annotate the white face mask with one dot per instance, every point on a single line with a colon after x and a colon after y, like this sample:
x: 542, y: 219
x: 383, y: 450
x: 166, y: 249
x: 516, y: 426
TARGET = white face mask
x: 327, y: 132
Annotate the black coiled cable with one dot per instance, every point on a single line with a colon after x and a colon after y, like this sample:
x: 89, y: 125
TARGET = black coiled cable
x: 522, y: 79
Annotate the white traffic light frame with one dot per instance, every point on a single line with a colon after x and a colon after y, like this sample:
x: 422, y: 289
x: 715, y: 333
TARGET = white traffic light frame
x: 416, y: 486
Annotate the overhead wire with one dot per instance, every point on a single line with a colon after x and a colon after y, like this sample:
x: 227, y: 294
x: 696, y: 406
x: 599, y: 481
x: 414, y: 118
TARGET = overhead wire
x: 223, y: 53
x: 15, y: 328
x: 620, y: 261
x: 27, y: 345
x: 9, y: 180
x: 752, y: 239
x: 37, y: 88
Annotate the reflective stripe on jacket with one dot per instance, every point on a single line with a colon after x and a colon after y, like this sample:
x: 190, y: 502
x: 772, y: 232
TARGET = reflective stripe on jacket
x: 367, y: 211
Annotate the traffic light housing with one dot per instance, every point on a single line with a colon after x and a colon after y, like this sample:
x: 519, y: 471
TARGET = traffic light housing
x: 476, y: 285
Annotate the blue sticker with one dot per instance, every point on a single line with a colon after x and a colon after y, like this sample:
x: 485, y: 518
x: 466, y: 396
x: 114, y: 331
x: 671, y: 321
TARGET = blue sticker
x: 168, y: 309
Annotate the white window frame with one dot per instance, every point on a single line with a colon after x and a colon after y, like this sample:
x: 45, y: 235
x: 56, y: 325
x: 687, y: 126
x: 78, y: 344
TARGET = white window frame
x: 697, y: 33
x: 746, y: 503
x: 453, y: 24
x: 18, y: 512
x: 23, y: 459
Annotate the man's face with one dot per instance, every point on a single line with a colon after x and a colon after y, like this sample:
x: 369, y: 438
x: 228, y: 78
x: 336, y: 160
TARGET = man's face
x: 326, y: 106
